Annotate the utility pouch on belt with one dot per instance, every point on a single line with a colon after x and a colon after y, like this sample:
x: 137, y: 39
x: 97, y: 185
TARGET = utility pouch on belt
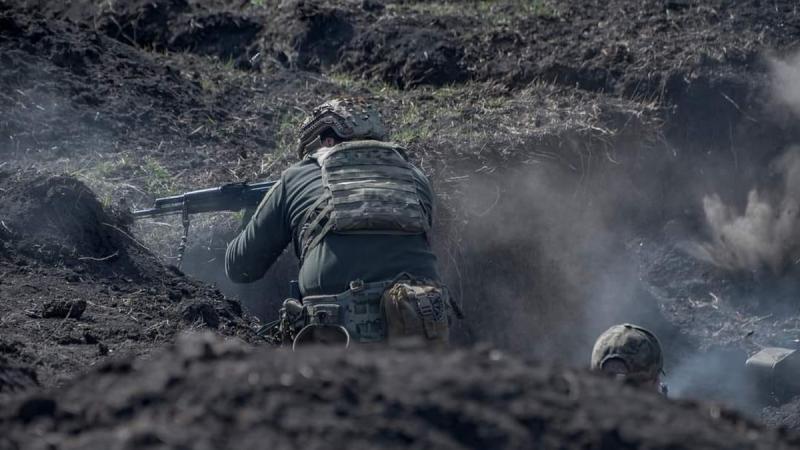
x: 369, y: 312
x: 413, y: 308
x: 357, y: 310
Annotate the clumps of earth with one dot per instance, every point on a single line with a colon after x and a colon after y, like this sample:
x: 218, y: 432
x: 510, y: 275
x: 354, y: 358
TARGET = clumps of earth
x: 719, y: 308
x: 76, y: 323
x: 150, y: 97
x: 173, y: 25
x: 58, y: 220
x: 205, y: 391
x: 14, y: 377
x: 77, y: 287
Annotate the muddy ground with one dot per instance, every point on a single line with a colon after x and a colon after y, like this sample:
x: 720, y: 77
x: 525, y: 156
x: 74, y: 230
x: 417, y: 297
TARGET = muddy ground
x: 570, y: 144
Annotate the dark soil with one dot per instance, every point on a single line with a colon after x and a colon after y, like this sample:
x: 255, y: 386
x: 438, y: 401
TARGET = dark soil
x: 48, y: 64
x: 626, y: 47
x: 14, y: 377
x: 729, y: 316
x: 172, y: 25
x: 703, y: 59
x: 743, y: 311
x: 786, y: 415
x: 206, y: 392
x: 77, y: 287
x: 68, y: 86
x: 561, y: 138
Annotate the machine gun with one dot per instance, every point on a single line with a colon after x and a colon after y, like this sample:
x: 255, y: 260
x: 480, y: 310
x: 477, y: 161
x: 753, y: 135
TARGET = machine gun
x: 228, y: 197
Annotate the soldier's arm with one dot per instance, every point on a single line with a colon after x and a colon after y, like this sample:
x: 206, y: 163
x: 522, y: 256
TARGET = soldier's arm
x: 257, y: 247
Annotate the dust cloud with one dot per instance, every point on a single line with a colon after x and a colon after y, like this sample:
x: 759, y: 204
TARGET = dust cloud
x: 785, y: 86
x: 765, y: 234
x: 546, y: 260
x: 761, y: 235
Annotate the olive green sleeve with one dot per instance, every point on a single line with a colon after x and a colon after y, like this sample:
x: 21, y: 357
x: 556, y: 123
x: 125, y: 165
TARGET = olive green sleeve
x: 257, y: 247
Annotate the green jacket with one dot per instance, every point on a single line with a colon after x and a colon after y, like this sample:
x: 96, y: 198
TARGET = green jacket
x: 339, y: 259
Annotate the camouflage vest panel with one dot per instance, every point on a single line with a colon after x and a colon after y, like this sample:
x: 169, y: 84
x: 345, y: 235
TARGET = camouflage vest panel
x: 369, y: 188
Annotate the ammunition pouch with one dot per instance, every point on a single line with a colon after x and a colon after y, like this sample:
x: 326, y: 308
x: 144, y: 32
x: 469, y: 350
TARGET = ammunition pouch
x: 417, y: 309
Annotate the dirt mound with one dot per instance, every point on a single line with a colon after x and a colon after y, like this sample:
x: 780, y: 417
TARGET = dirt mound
x: 242, y: 398
x: 786, y: 415
x: 703, y: 61
x: 406, y: 52
x: 392, y: 53
x: 174, y: 25
x: 312, y: 36
x: 14, y: 375
x: 138, y: 22
x: 225, y: 35
x: 70, y: 85
x: 58, y: 220
x: 640, y: 50
x: 719, y: 308
x: 14, y: 378
x: 73, y: 96
x: 76, y: 286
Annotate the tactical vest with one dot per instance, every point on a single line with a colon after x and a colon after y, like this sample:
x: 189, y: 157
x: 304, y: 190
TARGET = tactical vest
x: 369, y: 187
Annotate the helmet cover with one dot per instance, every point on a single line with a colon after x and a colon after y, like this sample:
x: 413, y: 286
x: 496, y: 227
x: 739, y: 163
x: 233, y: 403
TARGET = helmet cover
x: 349, y: 119
x: 636, y: 347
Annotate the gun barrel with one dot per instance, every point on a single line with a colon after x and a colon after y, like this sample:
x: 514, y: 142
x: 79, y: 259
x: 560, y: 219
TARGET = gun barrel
x: 151, y: 212
x: 228, y: 197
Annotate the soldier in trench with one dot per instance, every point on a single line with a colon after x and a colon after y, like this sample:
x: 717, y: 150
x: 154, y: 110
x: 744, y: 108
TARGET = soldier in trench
x: 358, y: 215
x: 631, y: 353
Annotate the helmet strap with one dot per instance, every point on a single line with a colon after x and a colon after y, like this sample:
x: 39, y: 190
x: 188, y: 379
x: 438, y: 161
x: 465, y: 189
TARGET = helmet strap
x: 312, y: 146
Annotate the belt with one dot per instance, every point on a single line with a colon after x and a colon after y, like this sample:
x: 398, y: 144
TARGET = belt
x: 357, y: 310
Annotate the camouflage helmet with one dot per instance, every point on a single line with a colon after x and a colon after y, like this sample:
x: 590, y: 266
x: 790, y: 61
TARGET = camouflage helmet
x: 637, y: 348
x: 347, y: 118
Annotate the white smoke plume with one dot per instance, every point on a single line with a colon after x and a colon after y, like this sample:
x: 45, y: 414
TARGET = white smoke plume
x: 785, y: 74
x: 766, y: 235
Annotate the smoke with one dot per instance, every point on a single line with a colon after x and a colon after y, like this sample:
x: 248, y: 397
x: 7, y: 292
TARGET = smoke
x: 717, y: 375
x: 766, y: 233
x: 785, y: 76
x: 545, y: 260
x: 759, y: 235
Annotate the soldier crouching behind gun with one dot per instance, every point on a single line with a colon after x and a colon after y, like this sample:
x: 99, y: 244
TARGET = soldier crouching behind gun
x: 358, y: 214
